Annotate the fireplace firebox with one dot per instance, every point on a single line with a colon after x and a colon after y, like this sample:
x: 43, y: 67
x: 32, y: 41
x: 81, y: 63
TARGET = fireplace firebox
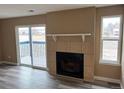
x: 70, y: 64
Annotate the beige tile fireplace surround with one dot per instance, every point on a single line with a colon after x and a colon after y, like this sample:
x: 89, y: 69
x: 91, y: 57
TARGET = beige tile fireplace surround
x: 75, y: 21
x: 80, y: 21
x: 74, y: 45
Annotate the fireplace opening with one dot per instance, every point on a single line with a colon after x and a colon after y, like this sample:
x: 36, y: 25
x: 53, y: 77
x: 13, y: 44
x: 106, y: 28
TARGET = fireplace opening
x: 70, y: 64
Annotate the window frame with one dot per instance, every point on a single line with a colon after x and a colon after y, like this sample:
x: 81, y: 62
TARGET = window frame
x: 108, y: 62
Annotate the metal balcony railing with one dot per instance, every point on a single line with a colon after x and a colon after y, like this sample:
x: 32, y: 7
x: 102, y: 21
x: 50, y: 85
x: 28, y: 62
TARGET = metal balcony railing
x: 38, y: 49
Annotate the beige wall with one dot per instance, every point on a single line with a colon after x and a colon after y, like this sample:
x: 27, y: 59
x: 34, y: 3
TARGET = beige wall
x: 8, y: 34
x: 72, y: 21
x: 100, y: 69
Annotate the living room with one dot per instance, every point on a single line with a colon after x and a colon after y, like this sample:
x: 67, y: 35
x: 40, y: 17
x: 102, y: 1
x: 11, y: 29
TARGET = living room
x: 75, y: 46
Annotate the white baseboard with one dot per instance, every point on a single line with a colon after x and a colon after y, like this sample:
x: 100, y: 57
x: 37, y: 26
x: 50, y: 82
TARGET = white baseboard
x: 107, y: 79
x: 7, y: 62
x: 122, y: 84
x: 122, y: 87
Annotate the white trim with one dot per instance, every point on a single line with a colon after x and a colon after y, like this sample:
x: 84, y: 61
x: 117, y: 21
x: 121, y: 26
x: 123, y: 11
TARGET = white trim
x: 122, y: 86
x: 17, y: 43
x: 63, y: 35
x: 119, y: 42
x: 32, y: 25
x: 8, y: 62
x: 111, y: 64
x: 107, y: 79
x: 87, y: 34
x: 17, y: 64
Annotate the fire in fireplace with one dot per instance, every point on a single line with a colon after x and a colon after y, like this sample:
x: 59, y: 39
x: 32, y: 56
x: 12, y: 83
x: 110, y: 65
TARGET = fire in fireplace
x: 70, y: 64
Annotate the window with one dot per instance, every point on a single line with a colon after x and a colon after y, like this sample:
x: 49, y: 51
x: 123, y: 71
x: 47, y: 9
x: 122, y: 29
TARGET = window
x: 110, y: 40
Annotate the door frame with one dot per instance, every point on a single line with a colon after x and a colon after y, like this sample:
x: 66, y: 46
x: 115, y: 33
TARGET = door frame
x: 18, y: 47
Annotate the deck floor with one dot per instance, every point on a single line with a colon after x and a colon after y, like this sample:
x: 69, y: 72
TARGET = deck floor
x: 37, y: 61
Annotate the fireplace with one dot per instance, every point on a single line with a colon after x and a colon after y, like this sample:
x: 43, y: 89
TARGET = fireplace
x: 70, y: 64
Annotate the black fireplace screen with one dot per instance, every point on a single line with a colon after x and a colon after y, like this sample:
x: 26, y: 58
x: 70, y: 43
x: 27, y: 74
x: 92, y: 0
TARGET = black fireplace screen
x: 70, y: 64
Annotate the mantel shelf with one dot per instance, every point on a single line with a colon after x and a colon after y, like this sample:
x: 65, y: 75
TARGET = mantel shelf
x: 63, y: 35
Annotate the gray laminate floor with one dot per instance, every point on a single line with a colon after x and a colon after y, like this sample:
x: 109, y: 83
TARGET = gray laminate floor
x: 20, y: 77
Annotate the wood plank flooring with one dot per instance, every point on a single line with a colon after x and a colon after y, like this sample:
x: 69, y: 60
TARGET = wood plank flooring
x: 20, y: 77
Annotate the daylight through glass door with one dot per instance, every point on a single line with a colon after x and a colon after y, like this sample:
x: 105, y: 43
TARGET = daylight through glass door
x: 32, y: 46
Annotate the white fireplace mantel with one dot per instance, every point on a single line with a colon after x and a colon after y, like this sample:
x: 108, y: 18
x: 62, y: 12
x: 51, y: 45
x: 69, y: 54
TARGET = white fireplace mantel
x: 69, y: 35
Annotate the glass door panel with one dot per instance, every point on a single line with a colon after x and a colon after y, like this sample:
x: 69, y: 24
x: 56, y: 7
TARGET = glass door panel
x: 24, y: 45
x: 38, y: 46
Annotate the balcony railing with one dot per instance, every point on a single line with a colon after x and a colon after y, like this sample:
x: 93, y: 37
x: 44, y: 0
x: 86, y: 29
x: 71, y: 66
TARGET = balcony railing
x: 38, y: 49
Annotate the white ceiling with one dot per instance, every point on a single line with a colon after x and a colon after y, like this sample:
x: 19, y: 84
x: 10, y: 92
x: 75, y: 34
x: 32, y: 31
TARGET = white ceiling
x: 19, y: 10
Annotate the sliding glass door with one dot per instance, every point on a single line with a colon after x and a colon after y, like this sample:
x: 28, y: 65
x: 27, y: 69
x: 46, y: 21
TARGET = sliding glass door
x: 24, y: 45
x: 32, y: 46
x: 38, y: 46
